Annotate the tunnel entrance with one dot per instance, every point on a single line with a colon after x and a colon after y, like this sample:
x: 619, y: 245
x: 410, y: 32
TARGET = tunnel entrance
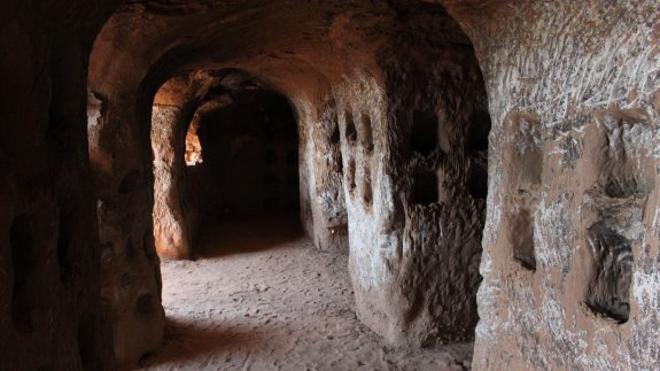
x: 240, y: 162
x: 248, y: 178
x: 250, y: 166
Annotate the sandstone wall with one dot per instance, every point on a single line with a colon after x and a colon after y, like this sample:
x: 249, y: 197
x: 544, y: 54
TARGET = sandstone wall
x: 175, y: 209
x: 172, y: 234
x: 50, y: 308
x: 122, y: 166
x: 323, y: 209
x: 414, y: 150
x: 392, y: 156
x: 130, y: 267
x: 570, y: 259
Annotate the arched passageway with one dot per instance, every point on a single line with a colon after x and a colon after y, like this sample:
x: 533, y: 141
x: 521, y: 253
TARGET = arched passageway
x: 386, y: 160
x: 229, y: 154
x: 397, y: 183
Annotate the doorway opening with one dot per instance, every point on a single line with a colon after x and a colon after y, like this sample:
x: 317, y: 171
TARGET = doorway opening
x: 250, y: 170
x: 229, y: 157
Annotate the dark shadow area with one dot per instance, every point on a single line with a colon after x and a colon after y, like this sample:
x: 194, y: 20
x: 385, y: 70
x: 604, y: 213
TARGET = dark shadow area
x: 23, y: 256
x: 425, y: 188
x: 424, y: 133
x: 249, y: 174
x: 522, y: 239
x: 183, y: 342
x: 250, y: 150
x: 609, y: 288
x: 241, y: 236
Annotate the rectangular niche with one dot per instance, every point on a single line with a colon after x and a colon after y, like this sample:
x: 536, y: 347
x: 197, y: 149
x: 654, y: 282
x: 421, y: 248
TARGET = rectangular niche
x: 351, y: 175
x: 424, y: 133
x: 609, y: 287
x: 367, y: 193
x: 338, y: 163
x: 523, y: 155
x: 425, y: 187
x: 522, y: 238
x: 350, y: 133
x: 477, y: 133
x: 623, y: 183
x: 335, y: 138
x: 366, y: 135
x: 477, y: 179
x: 335, y: 149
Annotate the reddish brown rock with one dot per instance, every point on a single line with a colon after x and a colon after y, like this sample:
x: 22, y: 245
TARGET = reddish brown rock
x: 398, y: 166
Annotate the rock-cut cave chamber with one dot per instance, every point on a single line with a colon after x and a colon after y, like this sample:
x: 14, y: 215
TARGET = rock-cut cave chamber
x: 329, y: 185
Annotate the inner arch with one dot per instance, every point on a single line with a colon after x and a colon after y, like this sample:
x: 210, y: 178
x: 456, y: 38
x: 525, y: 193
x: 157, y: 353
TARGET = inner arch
x: 388, y: 155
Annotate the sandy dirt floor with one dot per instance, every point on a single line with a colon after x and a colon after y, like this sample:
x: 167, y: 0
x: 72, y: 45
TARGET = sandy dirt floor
x: 259, y: 297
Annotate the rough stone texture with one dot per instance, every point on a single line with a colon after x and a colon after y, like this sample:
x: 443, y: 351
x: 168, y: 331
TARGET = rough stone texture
x: 319, y: 54
x: 414, y: 227
x: 131, y: 276
x: 415, y: 215
x: 50, y: 308
x: 366, y: 62
x: 172, y: 237
x: 414, y: 266
x: 323, y: 209
x: 173, y: 112
x: 570, y: 264
x: 573, y: 93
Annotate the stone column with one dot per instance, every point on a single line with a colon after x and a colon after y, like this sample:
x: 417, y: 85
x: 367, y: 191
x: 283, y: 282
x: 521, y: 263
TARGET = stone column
x: 323, y: 207
x: 171, y: 234
x: 119, y: 151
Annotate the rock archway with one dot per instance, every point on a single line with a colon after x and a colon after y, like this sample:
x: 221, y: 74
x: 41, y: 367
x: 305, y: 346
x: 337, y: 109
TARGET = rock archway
x: 364, y: 99
x: 249, y: 139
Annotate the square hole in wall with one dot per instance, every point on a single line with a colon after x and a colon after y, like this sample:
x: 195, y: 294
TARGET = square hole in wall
x: 477, y: 133
x: 367, y: 192
x: 366, y: 135
x: 609, y: 288
x: 350, y: 133
x: 335, y: 137
x: 338, y: 163
x: 477, y: 181
x: 425, y: 187
x: 522, y: 238
x: 351, y: 175
x: 424, y: 134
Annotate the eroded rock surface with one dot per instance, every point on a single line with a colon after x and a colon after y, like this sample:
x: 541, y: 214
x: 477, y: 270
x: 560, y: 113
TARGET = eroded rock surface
x: 393, y: 117
x: 392, y: 142
x: 573, y: 94
x: 51, y: 314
